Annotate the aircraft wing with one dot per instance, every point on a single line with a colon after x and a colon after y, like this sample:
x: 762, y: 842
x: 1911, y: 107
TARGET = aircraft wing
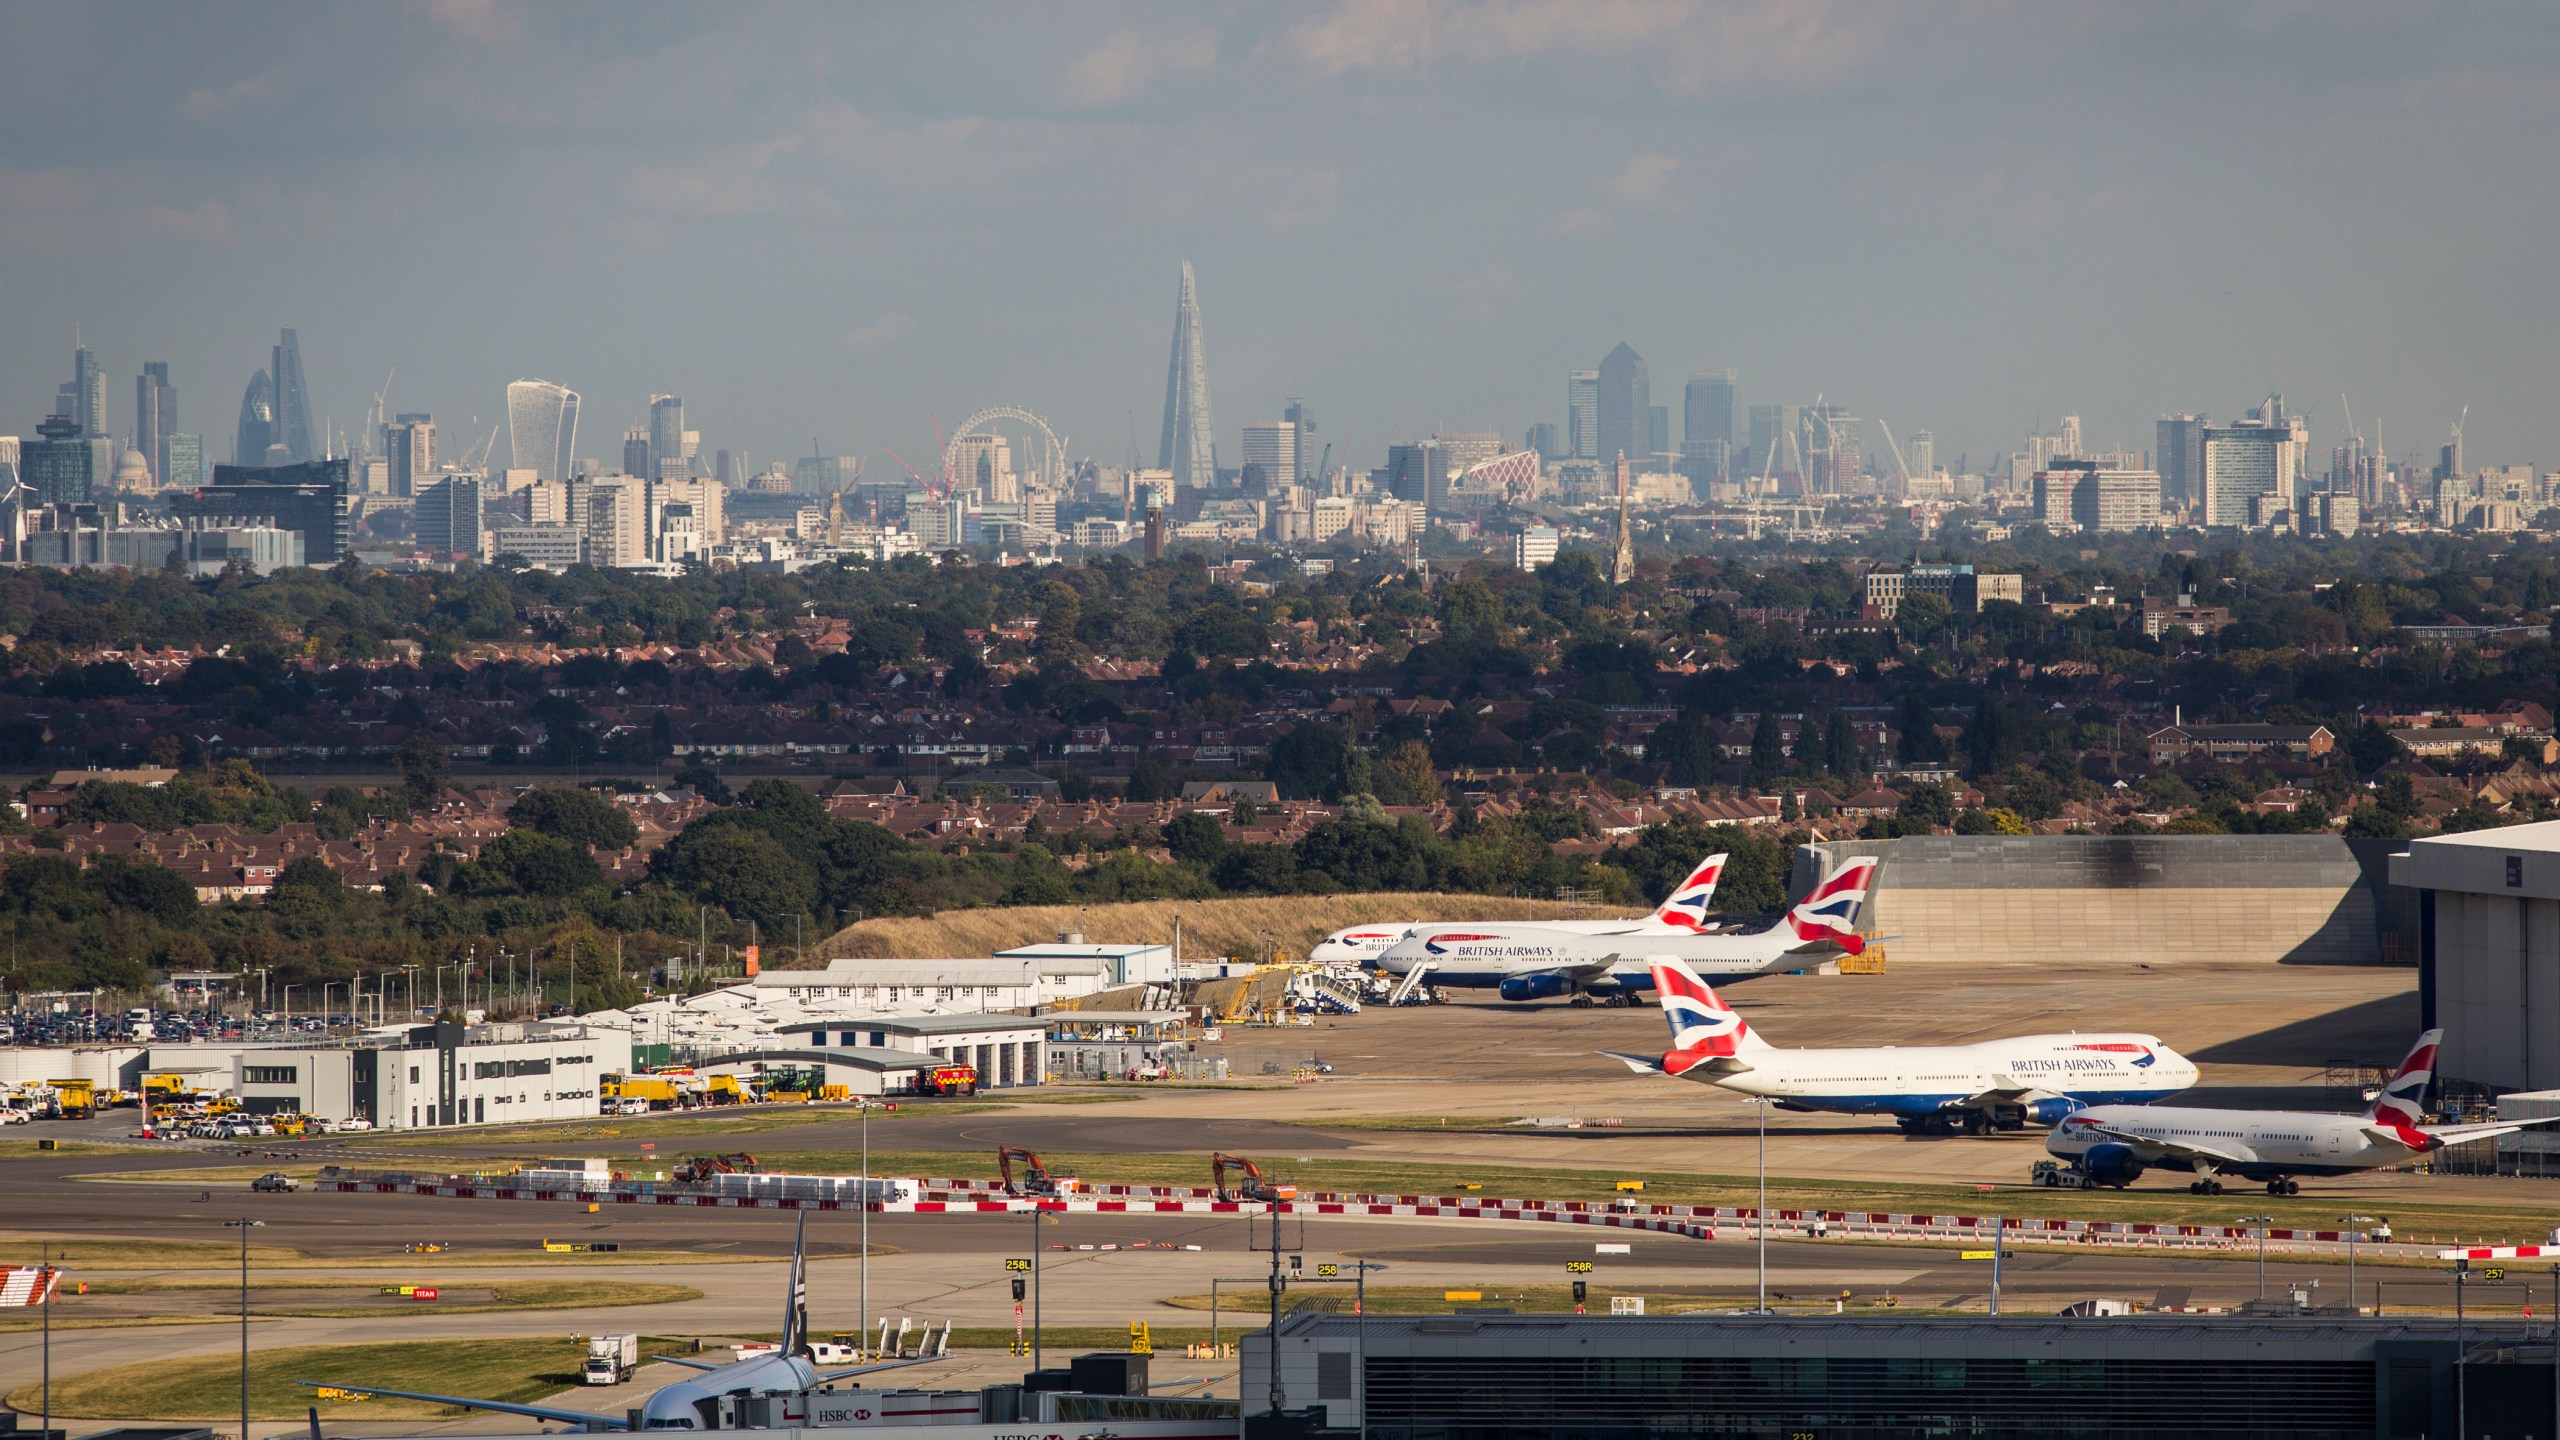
x: 1641, y: 1064
x: 688, y: 1364
x: 830, y: 1376
x: 1652, y: 1064
x: 2182, y: 1149
x: 2456, y: 1134
x: 538, y: 1412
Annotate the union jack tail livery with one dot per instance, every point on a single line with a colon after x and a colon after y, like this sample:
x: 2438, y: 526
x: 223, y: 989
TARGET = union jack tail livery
x: 1830, y: 910
x: 2400, y: 1105
x: 1703, y: 1027
x: 1686, y: 907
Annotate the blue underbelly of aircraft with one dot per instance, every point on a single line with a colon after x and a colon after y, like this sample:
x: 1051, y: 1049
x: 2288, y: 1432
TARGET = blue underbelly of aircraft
x: 1924, y: 1105
x: 1630, y: 982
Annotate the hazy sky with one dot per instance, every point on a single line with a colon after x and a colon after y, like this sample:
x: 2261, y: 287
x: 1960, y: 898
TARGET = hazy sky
x: 840, y: 221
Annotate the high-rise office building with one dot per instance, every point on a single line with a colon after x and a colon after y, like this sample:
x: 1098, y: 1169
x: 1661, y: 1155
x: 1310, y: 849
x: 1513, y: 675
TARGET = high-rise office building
x: 56, y: 465
x: 635, y: 452
x: 257, y: 422
x: 1773, y: 444
x: 2178, y: 454
x: 1921, y: 453
x: 310, y: 498
x: 2249, y: 467
x: 1190, y: 445
x: 1582, y: 413
x: 1625, y: 422
x: 1706, y: 425
x: 410, y: 443
x: 292, y: 425
x: 88, y: 394
x: 1657, y: 430
x: 542, y: 427
x: 155, y: 414
x: 618, y: 521
x: 1418, y: 473
x: 181, y: 461
x: 2074, y: 495
x: 1298, y: 415
x: 666, y: 436
x: 1544, y: 438
x: 450, y: 515
x: 1272, y: 447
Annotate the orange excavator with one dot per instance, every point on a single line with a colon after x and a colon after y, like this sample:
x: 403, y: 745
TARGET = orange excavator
x: 1036, y: 1178
x: 1254, y: 1187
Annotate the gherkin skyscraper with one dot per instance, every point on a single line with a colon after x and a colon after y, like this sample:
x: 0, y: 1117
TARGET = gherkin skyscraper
x: 1190, y: 447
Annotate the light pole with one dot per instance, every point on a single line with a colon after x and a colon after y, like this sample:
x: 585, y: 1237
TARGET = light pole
x: 1760, y: 1103
x: 865, y: 1107
x: 244, y: 1226
x: 2351, y: 1222
x: 2262, y: 1222
x: 1360, y: 1326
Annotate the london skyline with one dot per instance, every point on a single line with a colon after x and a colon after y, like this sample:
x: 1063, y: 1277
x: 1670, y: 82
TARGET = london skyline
x: 1411, y: 215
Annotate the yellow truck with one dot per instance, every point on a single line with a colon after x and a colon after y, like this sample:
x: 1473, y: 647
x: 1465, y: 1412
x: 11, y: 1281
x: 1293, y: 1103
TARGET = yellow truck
x: 655, y: 1091
x: 78, y: 1098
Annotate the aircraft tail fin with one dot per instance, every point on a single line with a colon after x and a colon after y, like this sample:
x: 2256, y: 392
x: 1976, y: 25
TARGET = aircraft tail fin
x: 795, y: 1313
x: 1685, y: 908
x: 2402, y: 1102
x: 1829, y: 911
x: 1703, y: 1027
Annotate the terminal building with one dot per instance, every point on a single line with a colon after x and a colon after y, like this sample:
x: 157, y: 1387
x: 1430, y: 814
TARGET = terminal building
x: 423, y: 1076
x: 1498, y: 1376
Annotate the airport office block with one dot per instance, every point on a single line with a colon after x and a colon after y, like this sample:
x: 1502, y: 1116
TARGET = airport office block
x: 442, y: 1074
x: 2489, y: 952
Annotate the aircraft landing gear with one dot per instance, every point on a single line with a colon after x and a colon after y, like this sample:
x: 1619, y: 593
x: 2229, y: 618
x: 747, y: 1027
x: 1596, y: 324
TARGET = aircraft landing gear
x: 2284, y: 1187
x: 2206, y: 1186
x: 1976, y: 1123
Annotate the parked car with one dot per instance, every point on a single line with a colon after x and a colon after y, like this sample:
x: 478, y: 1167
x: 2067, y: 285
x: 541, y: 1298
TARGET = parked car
x: 274, y: 1181
x: 356, y: 1122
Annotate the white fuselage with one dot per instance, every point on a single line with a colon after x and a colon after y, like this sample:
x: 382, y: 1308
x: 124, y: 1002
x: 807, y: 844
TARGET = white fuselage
x: 2266, y: 1143
x: 1923, y: 1080
x: 1463, y: 956
x: 1362, y: 944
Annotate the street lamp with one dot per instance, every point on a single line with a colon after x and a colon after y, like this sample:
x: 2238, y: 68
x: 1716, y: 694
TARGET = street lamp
x: 2351, y: 1222
x: 2262, y: 1222
x: 1760, y: 1103
x: 244, y: 1227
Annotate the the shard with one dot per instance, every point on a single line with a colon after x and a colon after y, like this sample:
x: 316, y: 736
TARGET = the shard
x: 1190, y: 448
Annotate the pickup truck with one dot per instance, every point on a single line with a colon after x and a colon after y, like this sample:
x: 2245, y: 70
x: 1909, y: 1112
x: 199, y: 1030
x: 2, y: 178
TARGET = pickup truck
x: 276, y: 1182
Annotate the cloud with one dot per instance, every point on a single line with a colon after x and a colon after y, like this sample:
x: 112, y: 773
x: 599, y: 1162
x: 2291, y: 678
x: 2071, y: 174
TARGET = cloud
x: 207, y: 103
x: 1688, y: 46
x: 209, y: 221
x: 1130, y: 63
x: 1481, y: 293
x: 892, y: 326
x: 486, y: 21
x: 1641, y: 181
x: 1582, y: 221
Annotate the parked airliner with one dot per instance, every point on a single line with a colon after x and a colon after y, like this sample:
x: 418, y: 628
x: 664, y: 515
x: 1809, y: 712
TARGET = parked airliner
x: 1683, y: 911
x: 1985, y: 1086
x: 2113, y: 1144
x: 1525, y: 961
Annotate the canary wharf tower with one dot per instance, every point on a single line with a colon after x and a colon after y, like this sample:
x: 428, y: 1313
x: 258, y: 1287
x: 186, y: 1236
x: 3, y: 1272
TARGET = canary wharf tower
x: 1190, y: 448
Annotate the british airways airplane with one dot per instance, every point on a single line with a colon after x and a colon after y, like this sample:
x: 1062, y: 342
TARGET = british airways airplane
x: 1526, y: 961
x: 2113, y: 1144
x: 1682, y: 911
x: 1927, y: 1089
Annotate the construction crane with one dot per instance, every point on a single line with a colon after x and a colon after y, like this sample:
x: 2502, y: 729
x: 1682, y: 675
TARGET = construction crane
x: 1254, y: 1187
x: 1898, y: 462
x: 1036, y: 1178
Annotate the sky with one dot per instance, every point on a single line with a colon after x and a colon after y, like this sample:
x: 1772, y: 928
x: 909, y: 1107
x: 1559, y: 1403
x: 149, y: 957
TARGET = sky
x: 837, y: 224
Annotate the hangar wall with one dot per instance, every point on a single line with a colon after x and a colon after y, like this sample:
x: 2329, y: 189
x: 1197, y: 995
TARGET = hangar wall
x: 2150, y: 899
x: 2490, y: 975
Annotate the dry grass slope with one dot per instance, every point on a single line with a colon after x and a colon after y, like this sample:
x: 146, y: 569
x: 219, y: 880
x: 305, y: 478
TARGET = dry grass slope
x: 1209, y: 927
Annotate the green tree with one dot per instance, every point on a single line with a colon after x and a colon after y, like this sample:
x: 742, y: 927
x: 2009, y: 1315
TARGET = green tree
x: 749, y: 874
x: 524, y: 862
x: 1195, y: 838
x: 581, y: 817
x: 1768, y: 749
x: 424, y: 770
x: 1404, y: 776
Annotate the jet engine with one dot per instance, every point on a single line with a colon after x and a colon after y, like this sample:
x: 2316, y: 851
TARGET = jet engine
x: 2111, y: 1164
x: 2050, y: 1111
x: 1549, y: 986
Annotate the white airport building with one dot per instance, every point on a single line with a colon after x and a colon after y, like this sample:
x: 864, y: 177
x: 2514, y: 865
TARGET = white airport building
x: 2489, y: 952
x: 409, y: 1077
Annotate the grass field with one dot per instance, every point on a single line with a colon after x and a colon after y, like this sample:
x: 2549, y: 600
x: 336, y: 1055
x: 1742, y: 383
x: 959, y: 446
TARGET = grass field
x: 74, y: 1253
x: 504, y: 1295
x: 1240, y: 927
x: 18, y: 1149
x: 208, y: 1387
